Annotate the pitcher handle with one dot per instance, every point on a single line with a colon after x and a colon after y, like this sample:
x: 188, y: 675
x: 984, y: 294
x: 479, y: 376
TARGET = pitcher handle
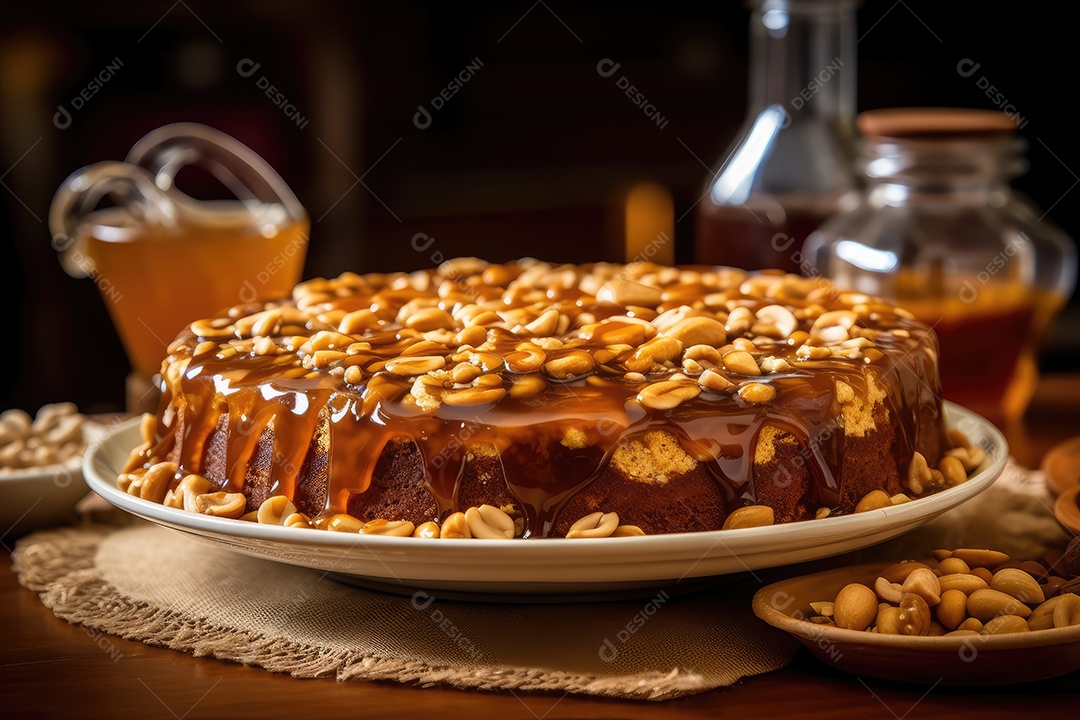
x: 128, y: 186
x: 165, y: 151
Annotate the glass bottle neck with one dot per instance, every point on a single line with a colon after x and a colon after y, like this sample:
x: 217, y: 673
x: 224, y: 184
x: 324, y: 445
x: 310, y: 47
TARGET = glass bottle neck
x: 803, y: 58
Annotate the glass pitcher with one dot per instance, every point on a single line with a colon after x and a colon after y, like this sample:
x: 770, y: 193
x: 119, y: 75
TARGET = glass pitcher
x: 161, y: 258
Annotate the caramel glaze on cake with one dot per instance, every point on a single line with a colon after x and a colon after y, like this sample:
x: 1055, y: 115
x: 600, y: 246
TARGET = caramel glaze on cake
x: 669, y: 396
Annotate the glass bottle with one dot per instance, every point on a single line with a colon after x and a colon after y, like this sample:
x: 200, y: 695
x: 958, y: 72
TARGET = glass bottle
x: 791, y: 164
x: 940, y: 231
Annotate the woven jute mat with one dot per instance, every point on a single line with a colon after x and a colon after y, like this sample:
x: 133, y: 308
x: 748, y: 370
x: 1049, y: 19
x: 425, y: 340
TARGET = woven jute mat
x: 163, y: 588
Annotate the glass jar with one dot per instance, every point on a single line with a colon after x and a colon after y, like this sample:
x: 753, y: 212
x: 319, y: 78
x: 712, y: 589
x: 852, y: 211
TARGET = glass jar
x: 940, y: 231
x: 791, y: 165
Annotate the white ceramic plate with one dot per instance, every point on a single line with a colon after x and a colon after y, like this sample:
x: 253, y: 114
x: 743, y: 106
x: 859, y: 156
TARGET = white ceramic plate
x: 551, y: 566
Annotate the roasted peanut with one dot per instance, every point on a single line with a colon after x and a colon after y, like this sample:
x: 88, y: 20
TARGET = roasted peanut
x: 953, y: 471
x: 1019, y: 584
x: 1067, y: 611
x: 951, y: 565
x: 344, y: 523
x: 221, y: 504
x: 988, y: 604
x: 887, y: 591
x: 874, y: 500
x: 1004, y: 624
x: 914, y: 617
x: 427, y: 530
x: 855, y: 607
x: 455, y: 526
x: 980, y: 558
x: 952, y: 609
x: 275, y: 510
x: 595, y: 525
x: 964, y: 582
x: 488, y: 522
x: 741, y: 362
x: 394, y: 528
x: 750, y: 516
x: 667, y: 394
x: 898, y: 573
x: 925, y: 584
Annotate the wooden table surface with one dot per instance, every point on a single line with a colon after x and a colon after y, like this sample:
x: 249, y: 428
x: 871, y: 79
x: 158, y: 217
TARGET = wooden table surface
x: 49, y: 668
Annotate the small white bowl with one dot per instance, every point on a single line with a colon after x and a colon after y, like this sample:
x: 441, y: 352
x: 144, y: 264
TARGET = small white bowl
x: 33, y: 498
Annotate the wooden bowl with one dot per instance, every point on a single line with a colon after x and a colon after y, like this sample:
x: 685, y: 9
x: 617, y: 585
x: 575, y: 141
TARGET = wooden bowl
x: 982, y: 660
x: 1067, y: 509
x: 1062, y: 466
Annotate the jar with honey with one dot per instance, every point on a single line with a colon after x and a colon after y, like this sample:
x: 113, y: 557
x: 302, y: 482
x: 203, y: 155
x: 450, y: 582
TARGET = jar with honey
x: 940, y: 231
x: 162, y: 258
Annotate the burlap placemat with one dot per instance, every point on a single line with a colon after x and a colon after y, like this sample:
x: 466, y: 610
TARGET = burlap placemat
x: 163, y: 588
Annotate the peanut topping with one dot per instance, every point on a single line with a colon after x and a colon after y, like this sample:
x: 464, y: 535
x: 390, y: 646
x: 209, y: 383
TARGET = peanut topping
x: 489, y: 523
x: 475, y: 348
x: 455, y: 526
x: 666, y: 395
x: 596, y: 525
x: 275, y: 510
x: 741, y: 362
x: 396, y: 528
x: 221, y: 504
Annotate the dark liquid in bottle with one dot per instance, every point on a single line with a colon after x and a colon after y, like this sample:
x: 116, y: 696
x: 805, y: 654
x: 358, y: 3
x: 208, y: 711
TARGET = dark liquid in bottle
x: 754, y: 240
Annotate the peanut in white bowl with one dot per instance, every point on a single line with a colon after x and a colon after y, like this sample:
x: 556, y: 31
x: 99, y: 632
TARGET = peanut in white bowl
x: 36, y: 497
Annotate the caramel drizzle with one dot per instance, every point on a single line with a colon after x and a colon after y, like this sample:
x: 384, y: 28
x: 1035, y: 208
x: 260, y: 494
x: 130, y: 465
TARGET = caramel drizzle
x: 540, y: 472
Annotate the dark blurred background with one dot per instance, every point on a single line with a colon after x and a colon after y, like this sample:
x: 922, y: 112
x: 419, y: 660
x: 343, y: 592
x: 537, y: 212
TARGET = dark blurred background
x: 533, y: 155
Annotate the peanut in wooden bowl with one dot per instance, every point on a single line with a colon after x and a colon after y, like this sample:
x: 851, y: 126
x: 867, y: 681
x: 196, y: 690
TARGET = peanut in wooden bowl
x: 958, y: 660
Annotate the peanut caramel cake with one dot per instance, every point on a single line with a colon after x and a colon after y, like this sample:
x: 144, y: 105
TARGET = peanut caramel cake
x: 534, y: 400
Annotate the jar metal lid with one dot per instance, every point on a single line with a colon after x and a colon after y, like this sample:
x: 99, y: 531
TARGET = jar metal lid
x: 931, y: 122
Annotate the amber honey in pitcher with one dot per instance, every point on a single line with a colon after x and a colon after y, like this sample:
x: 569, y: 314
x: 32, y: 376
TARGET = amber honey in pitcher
x: 162, y: 258
x: 161, y: 278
